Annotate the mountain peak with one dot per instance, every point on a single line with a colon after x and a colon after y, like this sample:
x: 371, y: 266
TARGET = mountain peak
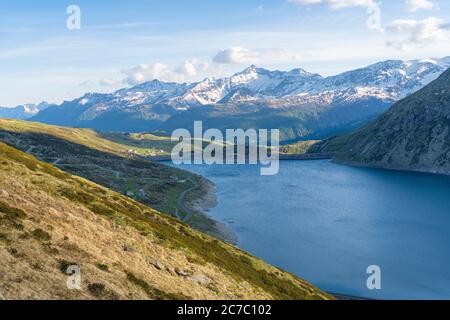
x: 24, y: 111
x: 252, y: 70
x: 154, y: 84
x: 303, y: 72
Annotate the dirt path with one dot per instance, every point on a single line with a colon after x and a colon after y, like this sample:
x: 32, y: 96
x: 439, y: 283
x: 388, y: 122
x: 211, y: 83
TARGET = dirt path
x: 182, y: 204
x: 30, y: 149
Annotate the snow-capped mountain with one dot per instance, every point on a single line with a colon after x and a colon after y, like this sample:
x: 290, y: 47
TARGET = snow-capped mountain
x: 395, y: 78
x: 251, y: 84
x: 297, y: 99
x: 413, y: 135
x: 152, y: 92
x: 389, y: 80
x: 23, y: 112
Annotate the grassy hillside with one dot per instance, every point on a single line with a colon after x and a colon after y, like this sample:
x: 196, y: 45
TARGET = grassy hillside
x: 117, y: 143
x: 50, y: 219
x: 106, y: 160
x: 300, y: 147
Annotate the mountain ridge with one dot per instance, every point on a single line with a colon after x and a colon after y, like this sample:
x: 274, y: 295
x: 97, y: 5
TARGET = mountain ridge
x: 310, y: 105
x: 23, y: 112
x: 413, y: 135
x: 272, y: 84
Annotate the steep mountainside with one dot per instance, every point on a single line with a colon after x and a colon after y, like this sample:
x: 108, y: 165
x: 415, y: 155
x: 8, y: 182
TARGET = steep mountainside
x: 51, y: 220
x: 301, y: 104
x: 413, y: 135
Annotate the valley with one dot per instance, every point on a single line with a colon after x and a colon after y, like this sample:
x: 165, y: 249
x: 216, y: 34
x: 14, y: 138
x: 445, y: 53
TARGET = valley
x: 50, y: 220
x: 99, y: 158
x: 150, y: 207
x: 213, y: 153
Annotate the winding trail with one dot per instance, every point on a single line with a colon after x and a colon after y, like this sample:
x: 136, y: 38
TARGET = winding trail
x: 30, y: 149
x: 182, y: 205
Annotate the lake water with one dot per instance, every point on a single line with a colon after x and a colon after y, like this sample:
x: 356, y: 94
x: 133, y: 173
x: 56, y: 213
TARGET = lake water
x: 327, y: 223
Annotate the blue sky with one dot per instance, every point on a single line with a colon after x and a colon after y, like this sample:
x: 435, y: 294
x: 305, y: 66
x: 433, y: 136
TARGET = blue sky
x: 121, y: 43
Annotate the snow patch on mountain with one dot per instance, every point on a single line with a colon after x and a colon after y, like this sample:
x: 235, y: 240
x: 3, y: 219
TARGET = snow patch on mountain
x: 386, y: 81
x: 23, y: 112
x: 390, y: 81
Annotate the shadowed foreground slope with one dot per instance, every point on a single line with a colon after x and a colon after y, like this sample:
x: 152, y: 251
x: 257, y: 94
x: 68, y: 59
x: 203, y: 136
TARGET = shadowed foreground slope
x: 50, y: 220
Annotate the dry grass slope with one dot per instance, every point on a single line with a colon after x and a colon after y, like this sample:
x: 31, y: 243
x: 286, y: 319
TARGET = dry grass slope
x: 107, y: 162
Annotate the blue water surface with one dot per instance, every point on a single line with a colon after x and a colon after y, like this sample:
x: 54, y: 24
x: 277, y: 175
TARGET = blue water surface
x: 327, y: 223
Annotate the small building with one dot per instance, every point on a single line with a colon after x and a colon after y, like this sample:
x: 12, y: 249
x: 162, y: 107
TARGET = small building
x: 142, y: 193
x: 131, y: 152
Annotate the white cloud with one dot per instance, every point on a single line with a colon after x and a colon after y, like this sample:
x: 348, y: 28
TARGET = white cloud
x: 336, y: 4
x: 160, y: 71
x: 419, y: 32
x: 239, y: 55
x: 148, y: 72
x: 192, y: 67
x: 188, y: 69
x: 415, y: 5
x: 236, y: 55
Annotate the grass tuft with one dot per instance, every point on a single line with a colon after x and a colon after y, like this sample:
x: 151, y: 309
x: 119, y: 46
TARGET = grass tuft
x: 42, y: 235
x: 153, y: 292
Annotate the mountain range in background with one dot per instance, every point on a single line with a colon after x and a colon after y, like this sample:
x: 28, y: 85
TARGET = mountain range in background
x: 413, y: 135
x: 23, y: 112
x: 302, y: 105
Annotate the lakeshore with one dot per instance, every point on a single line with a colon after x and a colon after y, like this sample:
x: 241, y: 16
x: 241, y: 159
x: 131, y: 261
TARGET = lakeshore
x: 196, y: 202
x: 281, y: 156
